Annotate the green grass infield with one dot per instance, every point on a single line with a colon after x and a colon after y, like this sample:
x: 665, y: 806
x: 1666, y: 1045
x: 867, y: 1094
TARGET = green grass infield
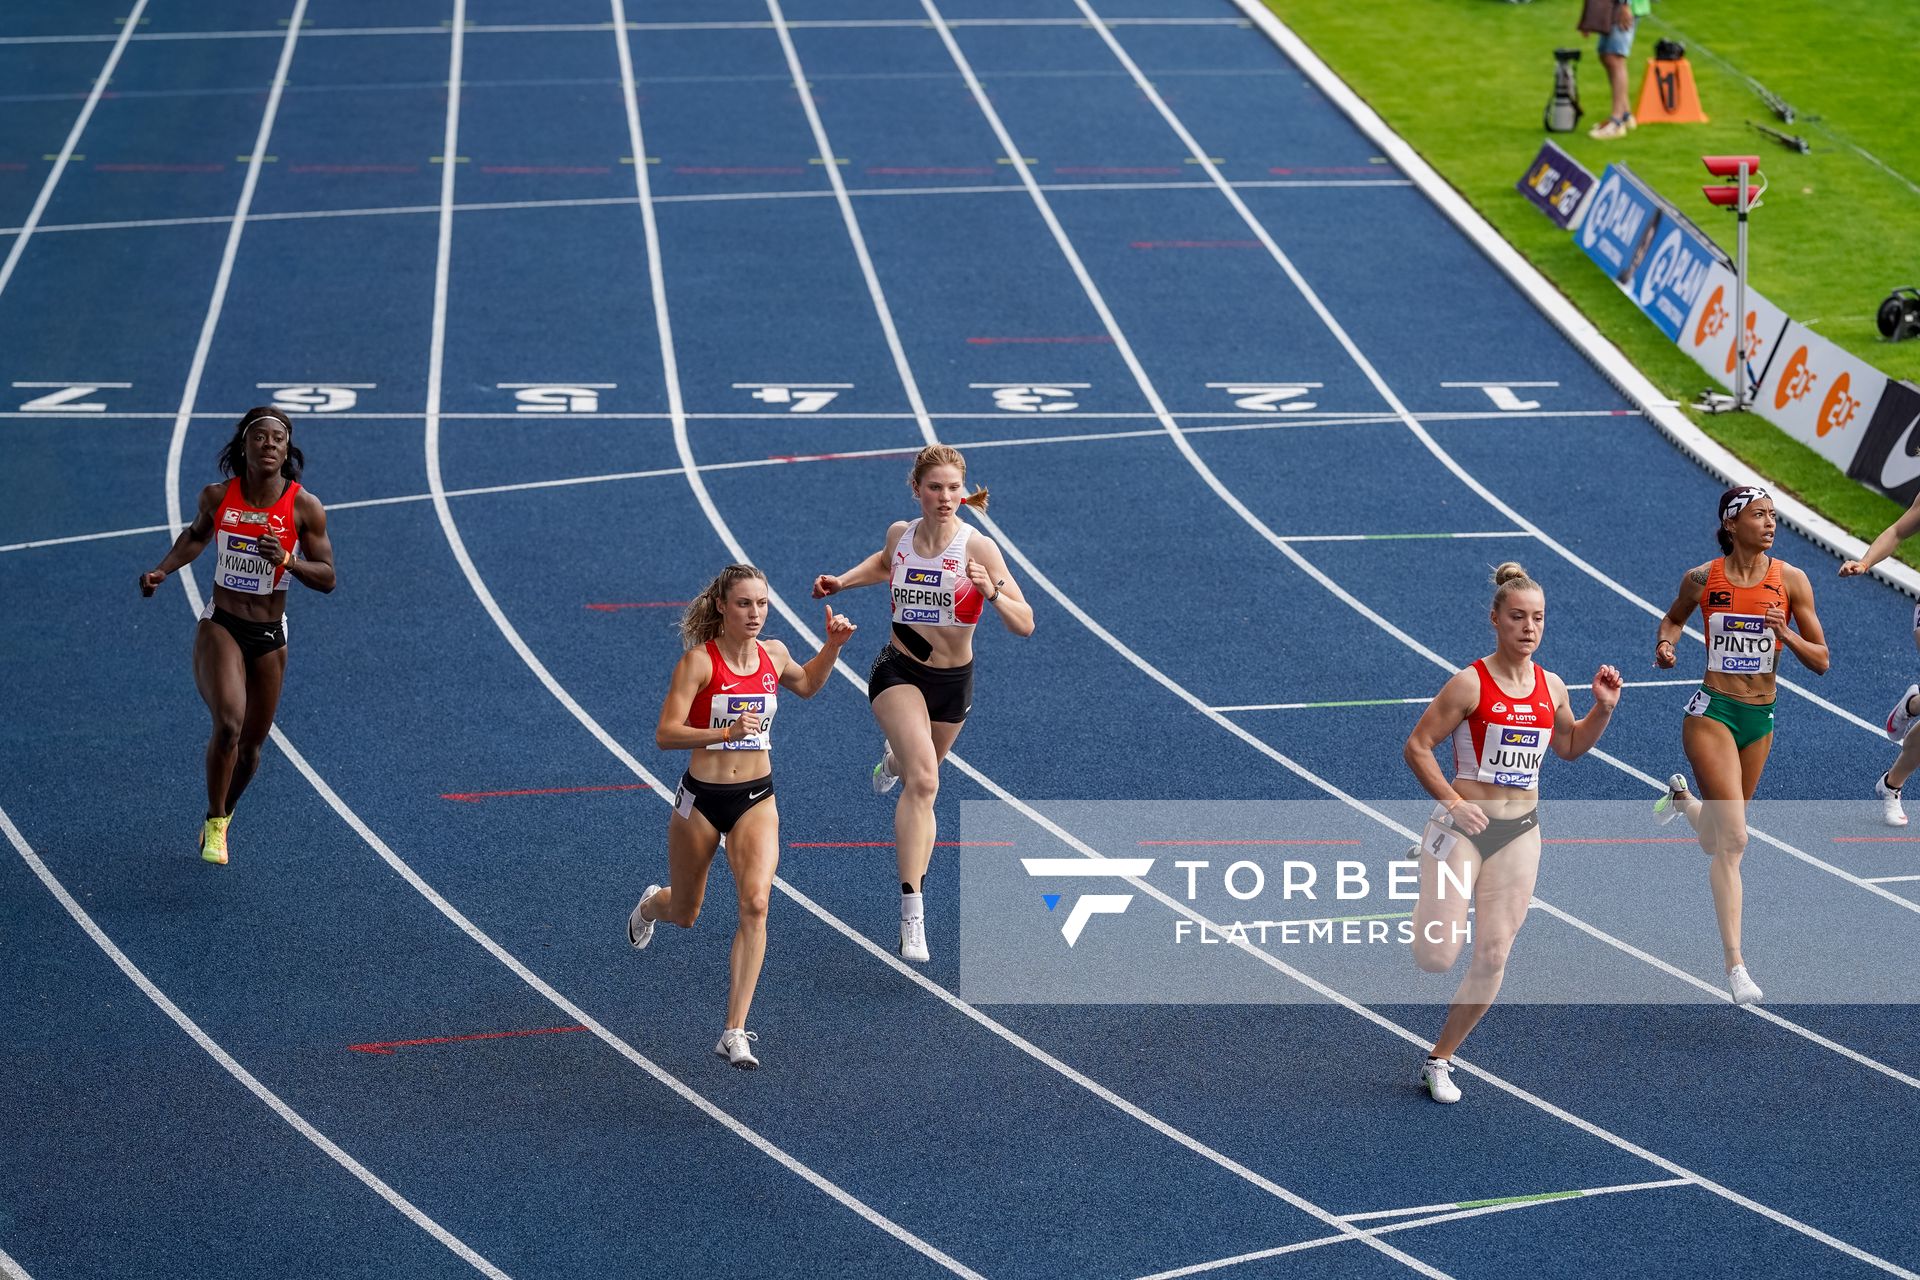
x: 1465, y: 82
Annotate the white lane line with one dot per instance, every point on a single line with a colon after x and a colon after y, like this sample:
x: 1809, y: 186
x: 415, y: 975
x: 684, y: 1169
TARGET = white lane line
x: 1414, y: 425
x: 823, y: 24
x: 435, y: 376
x: 73, y: 140
x: 708, y: 197
x: 293, y: 1118
x: 610, y: 477
x: 1453, y: 1214
x: 657, y: 281
x: 1893, y: 879
x: 987, y: 109
x: 11, y: 1269
x: 236, y: 228
x: 1544, y: 1198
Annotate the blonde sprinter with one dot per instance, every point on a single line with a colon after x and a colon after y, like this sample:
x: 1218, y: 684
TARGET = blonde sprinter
x: 943, y: 577
x: 1501, y: 714
x: 720, y: 707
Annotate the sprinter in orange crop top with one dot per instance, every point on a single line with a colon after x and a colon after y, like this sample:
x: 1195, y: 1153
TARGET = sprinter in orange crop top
x: 1747, y: 601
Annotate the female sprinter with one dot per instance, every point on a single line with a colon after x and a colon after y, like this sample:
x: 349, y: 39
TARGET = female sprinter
x: 1900, y: 720
x: 1502, y: 713
x: 720, y: 706
x: 943, y: 575
x: 1746, y: 599
x: 258, y: 520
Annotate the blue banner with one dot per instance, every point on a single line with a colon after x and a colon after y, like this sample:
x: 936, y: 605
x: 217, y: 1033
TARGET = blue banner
x: 1656, y: 258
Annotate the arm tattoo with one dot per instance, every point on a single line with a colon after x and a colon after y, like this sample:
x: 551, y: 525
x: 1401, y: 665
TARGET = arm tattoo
x: 1698, y: 576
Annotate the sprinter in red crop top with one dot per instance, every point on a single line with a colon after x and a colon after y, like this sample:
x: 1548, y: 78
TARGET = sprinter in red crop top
x: 267, y: 531
x: 942, y: 577
x: 720, y: 706
x: 1748, y: 602
x: 1502, y: 714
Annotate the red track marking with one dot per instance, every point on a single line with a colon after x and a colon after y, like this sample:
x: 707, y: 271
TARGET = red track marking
x: 888, y: 844
x: 1182, y: 844
x: 1196, y: 244
x: 738, y: 168
x: 1336, y: 168
x: 1873, y: 839
x: 12, y: 167
x: 641, y: 604
x: 353, y: 168
x: 1088, y: 339
x: 475, y: 797
x: 159, y: 168
x: 918, y: 170
x: 1118, y: 169
x: 388, y: 1046
x: 546, y: 168
x: 1621, y: 840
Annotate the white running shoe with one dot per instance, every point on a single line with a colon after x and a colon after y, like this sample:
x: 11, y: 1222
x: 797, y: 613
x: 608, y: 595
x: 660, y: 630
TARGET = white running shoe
x: 734, y: 1048
x: 913, y: 939
x: 884, y: 778
x: 1437, y: 1075
x: 639, y: 928
x: 1899, y: 720
x: 1890, y: 810
x: 1745, y: 990
x: 1667, y: 807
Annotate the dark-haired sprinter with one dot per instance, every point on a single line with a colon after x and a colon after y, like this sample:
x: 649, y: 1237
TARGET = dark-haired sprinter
x: 1746, y: 599
x: 1502, y: 715
x: 260, y: 520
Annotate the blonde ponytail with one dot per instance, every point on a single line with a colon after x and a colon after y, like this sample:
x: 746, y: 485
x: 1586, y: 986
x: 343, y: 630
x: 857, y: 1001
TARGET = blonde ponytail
x: 703, y: 619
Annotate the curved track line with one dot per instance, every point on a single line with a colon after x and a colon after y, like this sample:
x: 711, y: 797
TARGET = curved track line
x: 1353, y: 1006
x: 339, y: 806
x: 1124, y: 348
x: 625, y: 757
x: 132, y: 22
x: 910, y: 385
x: 1198, y: 155
x: 293, y: 1118
x: 436, y: 366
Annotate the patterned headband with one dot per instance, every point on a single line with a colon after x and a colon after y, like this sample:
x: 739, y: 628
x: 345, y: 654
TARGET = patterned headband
x: 1734, y: 505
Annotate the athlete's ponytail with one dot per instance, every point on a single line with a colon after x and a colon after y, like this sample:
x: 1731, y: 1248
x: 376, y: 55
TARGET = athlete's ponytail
x: 945, y: 455
x: 703, y: 619
x: 233, y: 458
x: 1509, y: 578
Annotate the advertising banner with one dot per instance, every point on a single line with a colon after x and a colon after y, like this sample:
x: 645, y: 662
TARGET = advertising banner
x: 1707, y: 335
x: 1889, y: 458
x: 1819, y: 394
x: 1557, y: 185
x: 1616, y: 230
x: 1656, y: 258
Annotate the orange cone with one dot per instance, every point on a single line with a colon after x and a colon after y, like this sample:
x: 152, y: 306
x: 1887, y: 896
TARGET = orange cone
x: 1667, y: 95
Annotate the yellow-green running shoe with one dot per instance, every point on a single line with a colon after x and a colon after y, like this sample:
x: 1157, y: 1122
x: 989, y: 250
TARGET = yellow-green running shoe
x: 213, y: 840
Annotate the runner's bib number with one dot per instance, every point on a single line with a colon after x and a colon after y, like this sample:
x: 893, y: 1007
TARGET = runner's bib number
x: 1740, y: 644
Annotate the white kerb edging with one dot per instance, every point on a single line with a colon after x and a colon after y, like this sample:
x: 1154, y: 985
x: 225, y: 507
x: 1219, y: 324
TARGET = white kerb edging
x: 1606, y: 357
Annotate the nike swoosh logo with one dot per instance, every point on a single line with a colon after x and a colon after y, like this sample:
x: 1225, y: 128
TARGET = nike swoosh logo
x: 755, y: 795
x: 735, y: 685
x: 1899, y: 468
